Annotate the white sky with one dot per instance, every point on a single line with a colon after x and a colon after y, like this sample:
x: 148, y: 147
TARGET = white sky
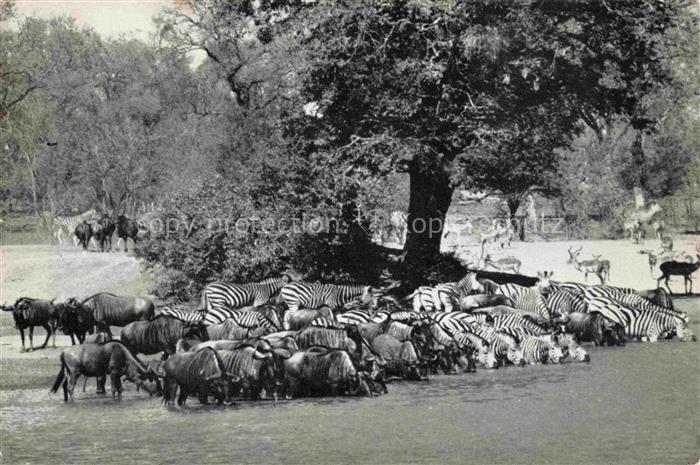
x: 107, y: 17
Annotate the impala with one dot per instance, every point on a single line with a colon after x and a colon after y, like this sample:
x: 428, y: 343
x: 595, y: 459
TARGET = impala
x: 600, y: 267
x: 685, y: 269
x: 503, y: 264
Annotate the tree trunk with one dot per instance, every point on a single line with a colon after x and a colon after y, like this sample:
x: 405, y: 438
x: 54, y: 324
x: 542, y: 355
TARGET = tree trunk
x: 430, y: 198
x: 519, y: 226
x: 32, y: 180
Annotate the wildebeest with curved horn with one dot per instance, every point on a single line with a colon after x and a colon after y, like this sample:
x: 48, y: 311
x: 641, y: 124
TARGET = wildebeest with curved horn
x: 195, y: 373
x: 251, y: 369
x: 324, y: 371
x: 75, y: 320
x: 28, y: 313
x: 401, y: 357
x: 113, y: 310
x: 159, y: 334
x: 99, y: 360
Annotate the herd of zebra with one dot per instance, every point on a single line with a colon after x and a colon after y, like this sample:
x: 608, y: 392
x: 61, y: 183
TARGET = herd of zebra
x: 283, y: 336
x: 90, y: 227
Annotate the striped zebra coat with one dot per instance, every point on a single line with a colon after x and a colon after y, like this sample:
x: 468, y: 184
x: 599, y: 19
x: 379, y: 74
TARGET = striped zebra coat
x: 64, y: 226
x: 518, y: 323
x: 249, y: 319
x: 504, y: 346
x: 313, y: 295
x: 219, y: 299
x: 444, y: 296
x: 563, y: 301
x: 645, y: 325
x: 528, y: 299
x: 539, y: 349
x: 188, y: 316
x: 630, y: 298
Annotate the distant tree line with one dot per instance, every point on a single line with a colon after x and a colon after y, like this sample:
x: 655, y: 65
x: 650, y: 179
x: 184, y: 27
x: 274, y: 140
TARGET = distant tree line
x: 320, y: 109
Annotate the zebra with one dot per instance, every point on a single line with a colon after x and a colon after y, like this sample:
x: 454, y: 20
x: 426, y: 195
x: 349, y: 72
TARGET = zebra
x: 563, y: 302
x: 504, y: 346
x: 321, y: 322
x: 541, y: 349
x: 314, y: 295
x: 68, y: 224
x: 242, y: 318
x: 188, y: 316
x: 574, y: 288
x: 645, y: 325
x: 526, y: 298
x: 518, y: 322
x: 455, y: 321
x: 630, y: 298
x: 444, y: 296
x: 571, y: 347
x: 638, y: 302
x: 219, y: 298
x: 362, y: 316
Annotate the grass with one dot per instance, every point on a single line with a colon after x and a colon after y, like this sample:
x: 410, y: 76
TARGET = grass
x: 23, y: 230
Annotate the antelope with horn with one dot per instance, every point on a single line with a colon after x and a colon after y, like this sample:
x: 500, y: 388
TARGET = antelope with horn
x: 685, y: 269
x: 600, y: 267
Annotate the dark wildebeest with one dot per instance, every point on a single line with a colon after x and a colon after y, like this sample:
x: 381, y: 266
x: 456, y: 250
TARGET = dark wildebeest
x: 401, y: 357
x: 251, y: 369
x: 159, y: 334
x: 348, y: 339
x: 28, y: 313
x: 84, y: 233
x: 75, y: 320
x: 195, y: 373
x: 127, y: 228
x: 103, y: 231
x: 112, y: 310
x: 99, y: 360
x: 320, y: 370
x: 594, y: 327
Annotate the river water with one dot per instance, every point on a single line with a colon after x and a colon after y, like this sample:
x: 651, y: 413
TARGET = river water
x: 635, y: 404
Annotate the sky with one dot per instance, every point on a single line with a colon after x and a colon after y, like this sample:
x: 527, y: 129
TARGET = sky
x: 107, y: 17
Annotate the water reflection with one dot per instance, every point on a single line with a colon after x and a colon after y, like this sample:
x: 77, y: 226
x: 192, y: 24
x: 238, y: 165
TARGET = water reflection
x: 637, y: 404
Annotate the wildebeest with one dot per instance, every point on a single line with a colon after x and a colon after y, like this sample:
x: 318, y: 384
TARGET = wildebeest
x: 28, y: 313
x: 323, y: 371
x: 594, y: 327
x: 251, y: 370
x: 159, y: 334
x: 195, y: 373
x: 75, y: 320
x: 348, y: 339
x: 103, y: 232
x: 126, y: 228
x: 99, y: 360
x: 112, y: 310
x: 84, y: 233
x: 401, y: 358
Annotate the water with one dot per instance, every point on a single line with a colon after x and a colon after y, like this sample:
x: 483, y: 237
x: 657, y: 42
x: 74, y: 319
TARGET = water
x: 636, y: 404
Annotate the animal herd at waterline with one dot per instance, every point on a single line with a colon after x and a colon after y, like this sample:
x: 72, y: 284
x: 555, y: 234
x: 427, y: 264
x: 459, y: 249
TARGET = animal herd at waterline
x: 285, y: 338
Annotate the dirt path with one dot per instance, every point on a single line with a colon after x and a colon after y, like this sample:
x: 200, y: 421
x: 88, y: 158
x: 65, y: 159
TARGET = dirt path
x: 47, y: 272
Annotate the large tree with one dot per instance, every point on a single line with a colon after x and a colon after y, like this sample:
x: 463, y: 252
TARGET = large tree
x: 424, y: 86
